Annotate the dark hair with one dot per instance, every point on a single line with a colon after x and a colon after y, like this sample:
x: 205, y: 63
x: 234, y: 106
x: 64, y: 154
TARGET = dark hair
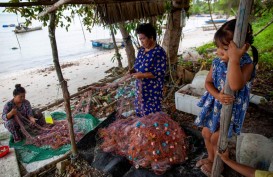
x: 147, y: 29
x: 225, y: 34
x: 18, y: 90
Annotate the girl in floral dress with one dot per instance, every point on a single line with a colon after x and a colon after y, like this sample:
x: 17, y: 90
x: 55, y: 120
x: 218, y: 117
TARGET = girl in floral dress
x: 240, y: 77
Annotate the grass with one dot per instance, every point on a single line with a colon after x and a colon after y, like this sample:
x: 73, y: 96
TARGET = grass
x: 264, y: 41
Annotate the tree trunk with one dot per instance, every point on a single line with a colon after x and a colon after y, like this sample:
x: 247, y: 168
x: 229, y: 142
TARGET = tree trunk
x: 226, y: 112
x: 130, y: 51
x: 211, y: 15
x: 116, y: 47
x: 172, y: 35
x: 51, y: 30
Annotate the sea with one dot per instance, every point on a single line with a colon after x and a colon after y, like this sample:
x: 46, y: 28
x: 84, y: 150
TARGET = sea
x: 32, y: 49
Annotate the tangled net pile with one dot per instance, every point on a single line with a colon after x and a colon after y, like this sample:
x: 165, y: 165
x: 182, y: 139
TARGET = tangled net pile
x: 57, y: 134
x: 154, y: 141
x: 52, y: 135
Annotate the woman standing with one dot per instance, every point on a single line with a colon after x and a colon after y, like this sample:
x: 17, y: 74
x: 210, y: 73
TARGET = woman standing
x: 149, y: 70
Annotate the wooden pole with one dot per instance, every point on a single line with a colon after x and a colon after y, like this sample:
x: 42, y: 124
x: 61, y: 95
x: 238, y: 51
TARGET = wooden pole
x: 41, y: 3
x: 53, y: 7
x: 129, y: 49
x: 226, y: 112
x: 209, y: 4
x: 51, y: 30
x: 116, y: 47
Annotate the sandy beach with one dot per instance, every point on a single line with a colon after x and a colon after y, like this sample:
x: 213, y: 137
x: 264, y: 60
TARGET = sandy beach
x: 42, y: 85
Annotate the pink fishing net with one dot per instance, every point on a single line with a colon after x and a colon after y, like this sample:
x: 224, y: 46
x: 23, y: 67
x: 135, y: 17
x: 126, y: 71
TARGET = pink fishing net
x: 154, y: 141
x: 57, y: 134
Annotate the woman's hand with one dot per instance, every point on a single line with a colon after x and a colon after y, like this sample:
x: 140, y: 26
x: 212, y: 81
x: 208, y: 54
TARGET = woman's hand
x: 32, y: 120
x: 235, y: 53
x: 224, y: 98
x: 138, y: 75
x: 13, y: 112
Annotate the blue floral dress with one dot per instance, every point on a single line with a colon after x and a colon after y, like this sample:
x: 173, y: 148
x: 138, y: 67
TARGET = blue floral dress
x: 211, y: 107
x: 149, y: 91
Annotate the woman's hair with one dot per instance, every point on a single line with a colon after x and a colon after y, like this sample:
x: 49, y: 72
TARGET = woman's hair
x: 147, y: 29
x: 18, y: 90
x: 225, y: 34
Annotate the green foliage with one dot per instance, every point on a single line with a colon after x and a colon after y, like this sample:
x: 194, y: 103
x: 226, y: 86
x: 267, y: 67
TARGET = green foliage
x: 199, y: 7
x: 64, y: 14
x: 203, y: 49
x: 264, y: 41
x: 116, y: 56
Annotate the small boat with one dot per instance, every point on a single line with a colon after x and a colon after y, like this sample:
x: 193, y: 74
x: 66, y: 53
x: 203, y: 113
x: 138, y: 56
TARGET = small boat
x: 10, y: 25
x: 23, y: 29
x: 96, y: 44
x: 216, y: 21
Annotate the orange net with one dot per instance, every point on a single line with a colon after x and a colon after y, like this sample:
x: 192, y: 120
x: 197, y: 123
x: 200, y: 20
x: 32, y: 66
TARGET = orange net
x: 154, y: 141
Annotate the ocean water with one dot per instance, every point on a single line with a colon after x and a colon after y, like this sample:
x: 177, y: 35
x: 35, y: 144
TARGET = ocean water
x: 35, y: 48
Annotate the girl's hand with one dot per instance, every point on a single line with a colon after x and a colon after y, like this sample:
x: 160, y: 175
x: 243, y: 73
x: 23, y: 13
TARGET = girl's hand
x: 235, y: 53
x: 224, y: 98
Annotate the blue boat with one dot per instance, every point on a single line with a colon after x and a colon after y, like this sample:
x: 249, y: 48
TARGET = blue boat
x: 96, y: 44
x: 216, y: 21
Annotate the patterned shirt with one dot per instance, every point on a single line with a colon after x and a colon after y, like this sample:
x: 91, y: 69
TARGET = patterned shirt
x: 149, y: 90
x: 24, y: 109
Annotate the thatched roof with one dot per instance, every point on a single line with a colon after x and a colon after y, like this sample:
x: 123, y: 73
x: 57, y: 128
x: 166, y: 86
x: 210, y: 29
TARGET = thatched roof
x: 113, y: 11
x: 123, y: 11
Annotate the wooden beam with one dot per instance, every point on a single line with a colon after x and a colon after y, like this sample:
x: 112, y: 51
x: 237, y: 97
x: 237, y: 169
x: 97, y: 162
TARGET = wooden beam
x: 48, y: 3
x: 53, y: 7
x: 226, y: 112
x: 41, y: 3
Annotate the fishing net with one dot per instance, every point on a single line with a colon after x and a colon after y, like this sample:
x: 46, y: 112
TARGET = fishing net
x: 154, y: 141
x: 50, y: 140
x: 42, y: 142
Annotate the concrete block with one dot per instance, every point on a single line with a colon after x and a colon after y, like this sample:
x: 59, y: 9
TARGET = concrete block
x: 4, y: 133
x: 9, y: 166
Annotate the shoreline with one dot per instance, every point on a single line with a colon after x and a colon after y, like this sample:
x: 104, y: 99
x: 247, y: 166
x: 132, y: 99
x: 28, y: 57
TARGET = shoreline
x: 42, y: 85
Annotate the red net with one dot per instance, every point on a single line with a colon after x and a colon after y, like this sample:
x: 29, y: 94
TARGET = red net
x: 154, y: 141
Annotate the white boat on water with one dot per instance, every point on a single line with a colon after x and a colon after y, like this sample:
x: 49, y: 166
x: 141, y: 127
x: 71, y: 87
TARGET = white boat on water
x: 23, y: 29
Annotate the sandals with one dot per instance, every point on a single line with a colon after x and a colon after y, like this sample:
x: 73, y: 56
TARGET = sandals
x: 207, y: 168
x: 201, y: 162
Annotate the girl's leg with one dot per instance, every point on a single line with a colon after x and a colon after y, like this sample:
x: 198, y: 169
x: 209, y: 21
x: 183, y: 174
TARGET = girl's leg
x: 214, y: 140
x: 207, y: 168
x: 207, y: 137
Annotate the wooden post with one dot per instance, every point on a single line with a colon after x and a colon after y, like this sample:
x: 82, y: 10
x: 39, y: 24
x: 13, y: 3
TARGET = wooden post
x: 116, y: 47
x: 129, y: 49
x: 51, y: 30
x: 226, y: 112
